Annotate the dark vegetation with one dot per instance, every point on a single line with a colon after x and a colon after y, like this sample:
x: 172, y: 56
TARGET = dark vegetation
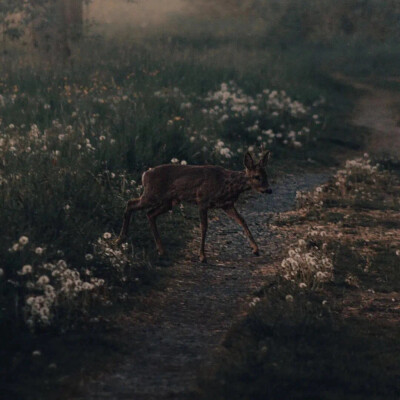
x: 80, y: 122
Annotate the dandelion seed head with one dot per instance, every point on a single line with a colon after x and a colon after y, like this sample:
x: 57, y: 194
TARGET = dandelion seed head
x: 302, y: 285
x: 289, y: 298
x: 26, y: 269
x: 23, y: 240
x: 39, y: 250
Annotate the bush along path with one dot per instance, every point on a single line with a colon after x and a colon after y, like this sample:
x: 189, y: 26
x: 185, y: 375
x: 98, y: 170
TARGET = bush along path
x: 176, y: 331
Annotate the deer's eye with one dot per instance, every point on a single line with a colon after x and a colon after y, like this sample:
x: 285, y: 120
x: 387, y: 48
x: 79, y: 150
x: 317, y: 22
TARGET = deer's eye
x: 257, y: 177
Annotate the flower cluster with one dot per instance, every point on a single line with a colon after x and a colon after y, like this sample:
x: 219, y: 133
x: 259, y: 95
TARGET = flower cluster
x: 53, y: 286
x: 261, y: 113
x: 46, y: 288
x: 308, y: 266
x: 350, y: 183
x: 230, y: 116
x: 116, y: 258
x: 53, y: 142
x: 356, y: 174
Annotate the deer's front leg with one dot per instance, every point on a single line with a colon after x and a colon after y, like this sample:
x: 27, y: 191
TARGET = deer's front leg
x: 151, y: 216
x: 232, y: 212
x: 203, y: 226
x: 132, y: 205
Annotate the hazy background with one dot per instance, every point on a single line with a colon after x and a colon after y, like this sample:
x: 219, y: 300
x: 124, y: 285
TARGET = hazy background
x: 119, y: 14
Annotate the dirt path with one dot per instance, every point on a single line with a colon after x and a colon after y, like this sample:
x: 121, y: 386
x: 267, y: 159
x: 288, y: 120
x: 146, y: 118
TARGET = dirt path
x: 183, y: 325
x: 378, y: 111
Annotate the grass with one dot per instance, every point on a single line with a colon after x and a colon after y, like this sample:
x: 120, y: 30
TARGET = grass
x: 299, y: 351
x: 338, y: 340
x: 75, y: 139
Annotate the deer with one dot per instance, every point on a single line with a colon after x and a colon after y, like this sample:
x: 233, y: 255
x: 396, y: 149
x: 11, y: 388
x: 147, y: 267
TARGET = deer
x: 207, y: 186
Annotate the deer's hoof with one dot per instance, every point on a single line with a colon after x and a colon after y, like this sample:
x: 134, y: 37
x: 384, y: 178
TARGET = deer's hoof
x: 203, y: 259
x: 256, y: 252
x: 161, y: 252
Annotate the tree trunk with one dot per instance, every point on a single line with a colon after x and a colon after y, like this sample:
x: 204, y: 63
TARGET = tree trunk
x: 74, y: 11
x: 70, y: 17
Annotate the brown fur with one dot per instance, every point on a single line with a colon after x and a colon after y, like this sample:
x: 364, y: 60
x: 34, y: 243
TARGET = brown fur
x: 208, y: 186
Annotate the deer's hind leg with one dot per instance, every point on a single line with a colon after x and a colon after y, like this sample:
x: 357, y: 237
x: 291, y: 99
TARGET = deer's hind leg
x: 132, y: 205
x: 152, y: 216
x: 203, y: 226
x: 232, y: 212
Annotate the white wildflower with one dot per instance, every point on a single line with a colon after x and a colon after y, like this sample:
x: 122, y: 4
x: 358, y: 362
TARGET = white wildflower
x: 30, y: 301
x: 26, y: 269
x: 302, y: 285
x: 87, y: 286
x: 320, y: 275
x: 15, y: 247
x: 39, y: 250
x: 43, y: 280
x: 289, y: 298
x: 23, y: 240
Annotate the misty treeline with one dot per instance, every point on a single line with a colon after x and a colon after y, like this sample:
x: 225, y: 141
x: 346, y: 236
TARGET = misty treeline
x: 316, y: 20
x: 54, y: 26
x: 47, y: 24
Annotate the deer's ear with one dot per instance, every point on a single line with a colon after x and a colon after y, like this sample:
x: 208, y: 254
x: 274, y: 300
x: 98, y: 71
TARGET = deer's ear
x: 264, y: 160
x: 248, y: 161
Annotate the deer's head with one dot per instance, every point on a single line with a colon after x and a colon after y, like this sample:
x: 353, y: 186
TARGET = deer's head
x: 256, y: 172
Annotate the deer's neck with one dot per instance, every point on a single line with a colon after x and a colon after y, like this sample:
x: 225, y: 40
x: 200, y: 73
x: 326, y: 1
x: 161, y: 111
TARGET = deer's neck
x: 240, y: 182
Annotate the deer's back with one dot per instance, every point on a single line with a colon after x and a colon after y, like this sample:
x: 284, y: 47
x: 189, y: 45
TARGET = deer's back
x: 189, y: 183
